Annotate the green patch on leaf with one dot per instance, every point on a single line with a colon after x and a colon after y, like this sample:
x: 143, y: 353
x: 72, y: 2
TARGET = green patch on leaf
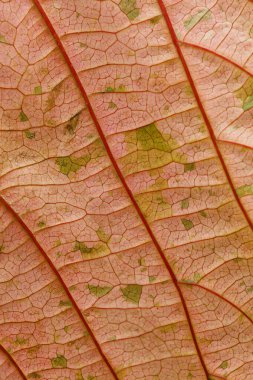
x: 99, y: 291
x: 72, y: 123
x: 2, y: 38
x: 20, y: 341
x: 65, y: 303
x: 41, y: 224
x: 79, y: 375
x: 34, y: 375
x: 129, y: 8
x: 248, y: 103
x: 244, y: 190
x: 191, y: 21
x: 38, y: 90
x: 203, y: 213
x: 155, y: 20
x: 72, y: 288
x: 112, y: 105
x: 197, y: 277
x: 102, y: 235
x: 59, y: 362
x: 29, y: 134
x: 79, y: 246
x: 90, y: 377
x: 184, y: 204
x: 151, y: 279
x: 224, y: 365
x: 22, y: 116
x: 187, y: 224
x: 168, y: 328
x: 109, y: 89
x: 70, y: 164
x: 132, y: 293
x: 189, y: 167
x: 149, y: 137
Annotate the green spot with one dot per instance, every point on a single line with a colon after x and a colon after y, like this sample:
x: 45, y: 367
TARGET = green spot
x: 189, y: 167
x: 168, y: 328
x: 65, y: 303
x: 184, y: 204
x: 112, y: 105
x: 250, y: 289
x: 149, y: 137
x: 72, y: 124
x: 191, y: 21
x: 151, y: 279
x: 197, y: 277
x: 203, y: 213
x: 66, y: 329
x: 224, y: 365
x: 79, y: 375
x: 22, y: 116
x: 244, y: 190
x: 141, y: 261
x: 109, y: 89
x: 155, y: 20
x: 248, y: 103
x: 245, y: 94
x: 70, y: 164
x: 82, y: 45
x: 129, y: 8
x: 187, y: 224
x: 1, y: 248
x: 34, y: 375
x: 132, y: 293
x: 190, y: 375
x: 38, y: 90
x: 29, y: 134
x: 90, y: 377
x: 99, y: 291
x: 72, y: 288
x: 41, y: 224
x: 2, y: 38
x: 20, y: 341
x: 102, y: 235
x: 59, y: 362
x: 79, y: 246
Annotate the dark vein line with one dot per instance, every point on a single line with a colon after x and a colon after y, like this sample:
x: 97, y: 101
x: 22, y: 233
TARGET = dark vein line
x: 214, y: 53
x: 11, y: 359
x: 121, y: 177
x: 203, y: 112
x: 219, y: 296
x: 58, y: 276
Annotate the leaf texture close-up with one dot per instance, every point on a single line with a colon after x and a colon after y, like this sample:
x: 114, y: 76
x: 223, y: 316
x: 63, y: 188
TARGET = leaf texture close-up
x: 126, y: 190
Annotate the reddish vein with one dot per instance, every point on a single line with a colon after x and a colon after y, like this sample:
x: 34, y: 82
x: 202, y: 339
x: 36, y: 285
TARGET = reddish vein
x: 217, y: 295
x: 11, y: 359
x: 121, y: 177
x: 58, y: 276
x: 216, y: 54
x: 204, y: 115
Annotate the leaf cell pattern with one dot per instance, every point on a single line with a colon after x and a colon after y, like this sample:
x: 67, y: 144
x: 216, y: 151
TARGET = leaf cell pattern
x: 126, y: 190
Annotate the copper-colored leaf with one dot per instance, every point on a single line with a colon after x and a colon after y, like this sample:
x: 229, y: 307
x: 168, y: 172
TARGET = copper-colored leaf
x: 126, y: 190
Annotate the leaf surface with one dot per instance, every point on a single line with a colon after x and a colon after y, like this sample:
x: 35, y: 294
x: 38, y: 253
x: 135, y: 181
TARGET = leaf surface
x: 126, y: 190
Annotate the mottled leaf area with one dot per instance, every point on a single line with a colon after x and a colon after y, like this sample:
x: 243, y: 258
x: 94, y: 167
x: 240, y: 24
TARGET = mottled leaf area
x: 126, y: 244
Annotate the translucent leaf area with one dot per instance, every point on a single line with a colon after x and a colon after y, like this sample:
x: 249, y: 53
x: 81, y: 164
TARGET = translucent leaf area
x: 126, y: 192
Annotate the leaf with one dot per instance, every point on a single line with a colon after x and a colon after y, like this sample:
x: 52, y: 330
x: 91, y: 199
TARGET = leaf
x: 126, y: 190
